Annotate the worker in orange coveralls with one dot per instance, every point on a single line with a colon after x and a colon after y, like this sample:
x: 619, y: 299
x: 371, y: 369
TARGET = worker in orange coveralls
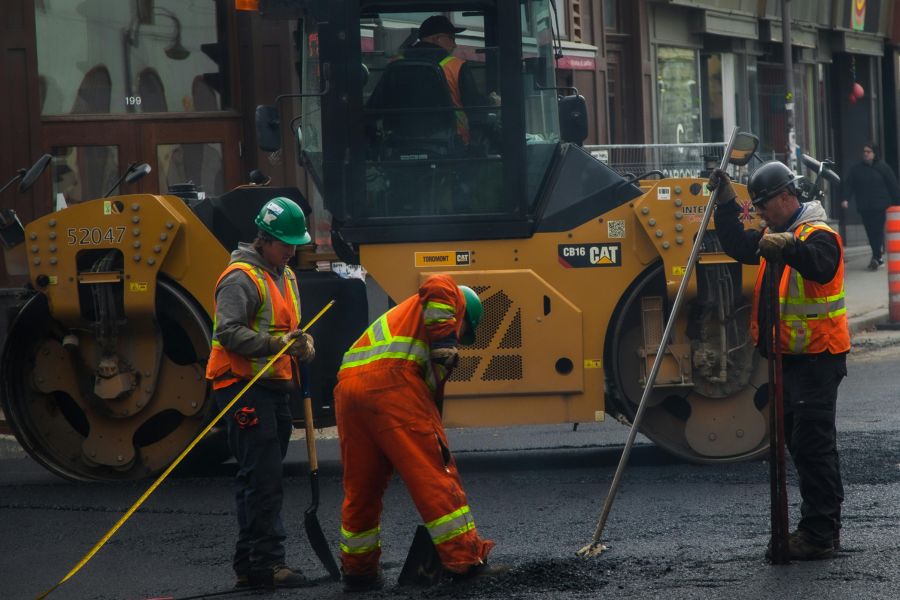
x: 388, y: 418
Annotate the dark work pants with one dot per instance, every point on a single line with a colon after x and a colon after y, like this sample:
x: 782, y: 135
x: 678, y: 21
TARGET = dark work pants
x: 810, y: 394
x: 259, y: 451
x: 873, y: 221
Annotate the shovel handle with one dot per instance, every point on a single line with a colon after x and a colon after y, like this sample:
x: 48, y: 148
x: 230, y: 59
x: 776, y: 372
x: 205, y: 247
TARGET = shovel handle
x: 310, y: 434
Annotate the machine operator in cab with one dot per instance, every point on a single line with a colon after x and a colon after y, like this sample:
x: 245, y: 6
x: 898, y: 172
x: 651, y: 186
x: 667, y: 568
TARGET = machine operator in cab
x: 437, y: 41
x: 258, y: 313
x: 813, y: 332
x: 386, y: 402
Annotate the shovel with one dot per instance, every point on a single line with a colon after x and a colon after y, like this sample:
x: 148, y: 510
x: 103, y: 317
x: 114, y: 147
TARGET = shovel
x: 310, y: 518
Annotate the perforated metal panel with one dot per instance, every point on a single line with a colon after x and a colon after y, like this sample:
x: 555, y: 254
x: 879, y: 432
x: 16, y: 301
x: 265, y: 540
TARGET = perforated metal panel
x: 503, y: 368
x: 495, y: 308
x: 513, y: 336
x: 466, y: 368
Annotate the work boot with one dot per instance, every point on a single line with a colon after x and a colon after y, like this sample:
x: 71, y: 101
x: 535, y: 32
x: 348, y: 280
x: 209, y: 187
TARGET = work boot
x: 285, y: 577
x: 364, y: 583
x: 481, y: 572
x: 802, y: 546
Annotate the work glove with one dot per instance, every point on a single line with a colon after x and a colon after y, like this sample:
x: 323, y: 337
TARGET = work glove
x: 720, y: 179
x: 445, y: 357
x: 773, y: 245
x: 303, y: 349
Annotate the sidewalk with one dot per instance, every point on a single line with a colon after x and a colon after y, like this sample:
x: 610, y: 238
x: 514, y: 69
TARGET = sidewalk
x: 866, y: 291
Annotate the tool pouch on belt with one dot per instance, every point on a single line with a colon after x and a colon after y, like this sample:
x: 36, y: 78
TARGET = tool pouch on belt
x: 246, y: 417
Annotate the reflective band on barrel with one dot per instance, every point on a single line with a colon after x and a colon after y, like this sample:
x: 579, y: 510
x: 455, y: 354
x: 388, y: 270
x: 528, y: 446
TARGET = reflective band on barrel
x: 362, y: 542
x: 451, y: 525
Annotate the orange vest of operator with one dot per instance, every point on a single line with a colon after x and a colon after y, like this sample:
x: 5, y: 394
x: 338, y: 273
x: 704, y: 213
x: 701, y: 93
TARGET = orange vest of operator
x: 813, y: 315
x: 277, y: 314
x: 451, y: 67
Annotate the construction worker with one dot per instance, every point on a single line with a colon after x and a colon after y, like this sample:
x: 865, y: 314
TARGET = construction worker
x: 386, y: 402
x: 257, y: 314
x: 436, y: 43
x: 813, y: 331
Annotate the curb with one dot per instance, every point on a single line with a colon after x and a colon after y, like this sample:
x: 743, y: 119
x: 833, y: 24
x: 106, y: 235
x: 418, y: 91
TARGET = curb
x: 867, y: 321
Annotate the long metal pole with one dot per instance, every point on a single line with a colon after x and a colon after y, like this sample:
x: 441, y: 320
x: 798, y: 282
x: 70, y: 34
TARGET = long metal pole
x: 788, y: 83
x: 595, y: 547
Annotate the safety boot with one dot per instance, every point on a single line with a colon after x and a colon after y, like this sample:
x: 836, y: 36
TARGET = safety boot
x: 364, y: 583
x: 802, y: 546
x: 481, y: 572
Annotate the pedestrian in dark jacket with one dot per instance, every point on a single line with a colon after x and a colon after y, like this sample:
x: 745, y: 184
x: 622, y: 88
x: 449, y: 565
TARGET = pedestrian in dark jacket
x: 873, y: 186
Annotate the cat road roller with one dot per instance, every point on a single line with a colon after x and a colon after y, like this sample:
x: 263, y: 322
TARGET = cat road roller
x: 576, y: 265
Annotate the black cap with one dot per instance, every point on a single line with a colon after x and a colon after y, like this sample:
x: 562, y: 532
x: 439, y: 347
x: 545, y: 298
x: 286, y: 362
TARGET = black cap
x: 437, y: 24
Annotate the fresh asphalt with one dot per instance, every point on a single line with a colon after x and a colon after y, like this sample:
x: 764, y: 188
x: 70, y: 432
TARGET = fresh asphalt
x: 676, y: 531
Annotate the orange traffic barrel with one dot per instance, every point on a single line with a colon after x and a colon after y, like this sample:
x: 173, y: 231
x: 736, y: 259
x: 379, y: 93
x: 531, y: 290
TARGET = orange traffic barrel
x: 892, y: 248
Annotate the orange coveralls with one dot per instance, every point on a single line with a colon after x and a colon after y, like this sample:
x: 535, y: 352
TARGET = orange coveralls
x: 387, y: 419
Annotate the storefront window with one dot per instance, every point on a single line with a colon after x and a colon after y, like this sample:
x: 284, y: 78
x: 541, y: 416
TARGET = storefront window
x: 678, y: 95
x: 112, y: 56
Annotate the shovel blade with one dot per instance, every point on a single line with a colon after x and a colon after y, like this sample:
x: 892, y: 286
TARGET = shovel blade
x: 423, y: 565
x: 320, y: 544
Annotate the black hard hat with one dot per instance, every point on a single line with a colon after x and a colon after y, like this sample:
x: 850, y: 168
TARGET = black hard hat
x: 438, y: 24
x: 770, y: 180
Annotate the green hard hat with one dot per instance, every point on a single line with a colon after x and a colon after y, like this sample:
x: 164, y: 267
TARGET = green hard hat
x: 474, y: 311
x: 282, y: 219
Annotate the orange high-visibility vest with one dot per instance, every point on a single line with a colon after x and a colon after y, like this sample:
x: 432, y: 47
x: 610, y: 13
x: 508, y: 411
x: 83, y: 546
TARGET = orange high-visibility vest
x: 813, y: 315
x: 277, y: 315
x: 451, y: 67
x: 400, y: 337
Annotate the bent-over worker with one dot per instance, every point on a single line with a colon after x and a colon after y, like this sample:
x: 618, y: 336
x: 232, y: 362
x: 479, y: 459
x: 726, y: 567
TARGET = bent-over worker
x: 386, y: 401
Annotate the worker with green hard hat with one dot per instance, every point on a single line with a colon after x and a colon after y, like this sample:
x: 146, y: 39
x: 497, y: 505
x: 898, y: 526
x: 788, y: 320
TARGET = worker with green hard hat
x: 257, y: 313
x: 388, y: 408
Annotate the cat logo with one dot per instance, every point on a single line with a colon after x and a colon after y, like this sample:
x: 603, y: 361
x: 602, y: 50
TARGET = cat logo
x: 577, y: 256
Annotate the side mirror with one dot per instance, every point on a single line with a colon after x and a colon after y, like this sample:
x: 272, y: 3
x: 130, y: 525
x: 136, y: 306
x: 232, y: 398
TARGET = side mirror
x: 743, y: 149
x: 268, y: 128
x: 137, y: 172
x: 34, y: 172
x: 573, y: 121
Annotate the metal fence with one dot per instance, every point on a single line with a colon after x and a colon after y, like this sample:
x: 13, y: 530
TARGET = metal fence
x: 674, y: 160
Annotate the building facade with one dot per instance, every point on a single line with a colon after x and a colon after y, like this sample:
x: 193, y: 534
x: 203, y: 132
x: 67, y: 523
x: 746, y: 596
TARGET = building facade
x: 101, y: 84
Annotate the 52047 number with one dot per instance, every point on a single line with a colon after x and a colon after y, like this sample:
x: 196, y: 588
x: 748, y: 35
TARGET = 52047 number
x: 94, y: 236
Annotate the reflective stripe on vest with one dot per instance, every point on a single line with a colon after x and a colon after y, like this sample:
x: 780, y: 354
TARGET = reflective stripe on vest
x: 362, y: 542
x: 808, y: 324
x: 451, y: 525
x: 384, y: 345
x: 451, y: 66
x: 223, y: 364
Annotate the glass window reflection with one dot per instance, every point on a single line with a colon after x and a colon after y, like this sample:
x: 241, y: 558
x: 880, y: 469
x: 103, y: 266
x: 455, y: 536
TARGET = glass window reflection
x: 200, y: 164
x: 81, y: 173
x: 112, y: 56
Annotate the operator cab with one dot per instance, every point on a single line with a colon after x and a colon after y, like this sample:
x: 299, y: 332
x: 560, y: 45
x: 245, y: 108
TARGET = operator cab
x: 396, y: 157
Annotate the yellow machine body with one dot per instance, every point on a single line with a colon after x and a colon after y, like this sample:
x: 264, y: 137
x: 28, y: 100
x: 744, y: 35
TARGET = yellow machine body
x: 550, y: 302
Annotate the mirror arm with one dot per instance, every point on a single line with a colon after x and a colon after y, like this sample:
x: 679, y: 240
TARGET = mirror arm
x: 18, y: 176
x: 120, y: 180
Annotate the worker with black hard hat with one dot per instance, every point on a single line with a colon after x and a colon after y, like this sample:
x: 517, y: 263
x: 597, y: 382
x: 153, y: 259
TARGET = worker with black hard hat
x: 812, y: 330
